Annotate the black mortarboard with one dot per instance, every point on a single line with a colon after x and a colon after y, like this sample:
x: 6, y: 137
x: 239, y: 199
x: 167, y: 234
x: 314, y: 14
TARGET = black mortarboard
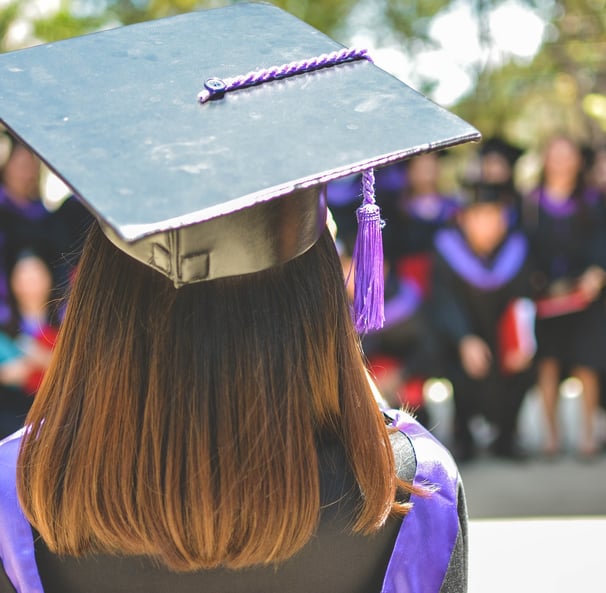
x: 191, y: 188
x: 500, y: 146
x: 480, y: 192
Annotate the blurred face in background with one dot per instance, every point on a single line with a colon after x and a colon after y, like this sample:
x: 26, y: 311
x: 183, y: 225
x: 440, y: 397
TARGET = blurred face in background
x: 562, y: 164
x: 31, y: 284
x: 484, y: 226
x: 21, y: 175
x: 423, y: 174
x: 495, y: 168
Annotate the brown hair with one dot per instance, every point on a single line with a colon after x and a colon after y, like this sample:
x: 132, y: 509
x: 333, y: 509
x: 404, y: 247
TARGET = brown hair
x: 183, y: 424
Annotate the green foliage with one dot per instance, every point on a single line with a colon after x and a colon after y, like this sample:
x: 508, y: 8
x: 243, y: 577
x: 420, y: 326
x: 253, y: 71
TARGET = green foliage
x: 76, y: 17
x: 133, y: 11
x: 410, y: 20
x: 63, y: 24
x: 325, y: 15
x: 7, y: 16
x: 528, y: 102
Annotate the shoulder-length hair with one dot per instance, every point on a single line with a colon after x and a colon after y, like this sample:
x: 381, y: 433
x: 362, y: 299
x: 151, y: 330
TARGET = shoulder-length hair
x: 183, y: 423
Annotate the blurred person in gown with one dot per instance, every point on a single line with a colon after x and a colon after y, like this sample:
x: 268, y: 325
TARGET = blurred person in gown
x: 22, y: 214
x: 564, y: 219
x: 26, y: 223
x: 32, y: 333
x: 497, y: 160
x: 482, y: 312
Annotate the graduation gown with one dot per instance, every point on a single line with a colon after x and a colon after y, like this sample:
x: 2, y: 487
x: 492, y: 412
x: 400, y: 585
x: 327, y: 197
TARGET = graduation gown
x: 412, y: 222
x: 470, y: 296
x: 567, y: 238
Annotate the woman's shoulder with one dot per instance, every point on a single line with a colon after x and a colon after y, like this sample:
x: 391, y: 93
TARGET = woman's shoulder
x: 404, y: 454
x: 406, y: 424
x: 417, y: 450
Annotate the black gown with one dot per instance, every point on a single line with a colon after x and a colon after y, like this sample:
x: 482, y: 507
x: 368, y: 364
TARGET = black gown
x: 566, y: 239
x: 470, y: 295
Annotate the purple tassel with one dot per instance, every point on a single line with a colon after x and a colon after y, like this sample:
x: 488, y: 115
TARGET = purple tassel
x: 368, y: 261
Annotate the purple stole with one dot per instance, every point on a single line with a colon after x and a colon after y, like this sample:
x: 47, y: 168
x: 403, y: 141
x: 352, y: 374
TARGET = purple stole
x: 16, y: 538
x: 421, y: 553
x: 566, y: 208
x: 428, y: 534
x: 441, y: 208
x: 510, y: 257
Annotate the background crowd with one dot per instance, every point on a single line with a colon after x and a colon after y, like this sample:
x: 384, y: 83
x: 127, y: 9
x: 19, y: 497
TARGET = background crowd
x: 38, y: 251
x: 493, y: 287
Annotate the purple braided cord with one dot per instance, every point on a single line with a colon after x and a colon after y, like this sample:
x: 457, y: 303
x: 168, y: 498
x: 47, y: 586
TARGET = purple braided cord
x: 218, y: 87
x: 368, y: 187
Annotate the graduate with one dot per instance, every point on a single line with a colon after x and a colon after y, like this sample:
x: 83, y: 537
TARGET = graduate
x: 206, y: 422
x: 415, y: 213
x: 564, y: 217
x: 24, y: 220
x: 482, y: 312
x: 497, y: 159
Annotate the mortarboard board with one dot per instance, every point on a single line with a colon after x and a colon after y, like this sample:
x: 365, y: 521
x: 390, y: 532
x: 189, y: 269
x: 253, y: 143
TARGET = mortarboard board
x: 192, y: 189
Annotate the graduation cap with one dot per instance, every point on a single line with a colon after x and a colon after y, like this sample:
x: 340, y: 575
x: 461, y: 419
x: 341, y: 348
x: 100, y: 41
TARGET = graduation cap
x: 481, y: 192
x: 203, y: 189
x: 499, y: 146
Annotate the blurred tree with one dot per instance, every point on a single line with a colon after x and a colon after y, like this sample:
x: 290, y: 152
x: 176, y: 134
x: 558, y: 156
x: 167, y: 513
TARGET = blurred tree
x: 563, y: 89
x: 8, y: 16
x: 407, y: 20
x: 75, y: 17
